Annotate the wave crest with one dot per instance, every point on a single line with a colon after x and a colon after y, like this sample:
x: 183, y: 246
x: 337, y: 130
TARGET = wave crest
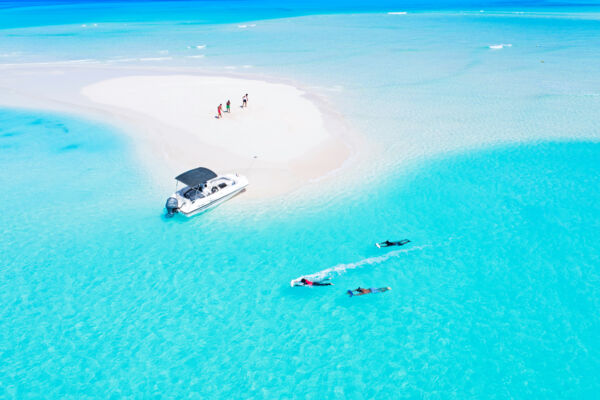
x: 499, y: 46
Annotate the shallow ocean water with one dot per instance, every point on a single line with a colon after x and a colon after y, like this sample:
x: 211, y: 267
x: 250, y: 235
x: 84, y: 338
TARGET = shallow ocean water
x: 416, y: 85
x: 495, y: 297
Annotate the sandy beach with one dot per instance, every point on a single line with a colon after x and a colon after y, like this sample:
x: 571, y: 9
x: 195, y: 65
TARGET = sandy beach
x: 283, y: 139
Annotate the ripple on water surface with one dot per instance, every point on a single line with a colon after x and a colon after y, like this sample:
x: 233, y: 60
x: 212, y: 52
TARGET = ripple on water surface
x: 101, y: 296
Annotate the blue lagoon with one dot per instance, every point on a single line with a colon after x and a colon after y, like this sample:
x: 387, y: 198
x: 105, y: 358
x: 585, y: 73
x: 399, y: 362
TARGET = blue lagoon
x: 474, y: 134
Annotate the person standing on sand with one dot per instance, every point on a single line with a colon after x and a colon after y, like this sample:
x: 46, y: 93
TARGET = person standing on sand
x: 219, y: 111
x: 245, y: 101
x: 228, y: 105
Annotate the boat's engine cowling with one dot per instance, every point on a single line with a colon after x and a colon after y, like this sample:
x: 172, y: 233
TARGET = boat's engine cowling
x: 172, y: 206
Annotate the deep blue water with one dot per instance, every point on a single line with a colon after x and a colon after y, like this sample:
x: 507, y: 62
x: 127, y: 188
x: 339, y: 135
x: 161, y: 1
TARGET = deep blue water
x: 43, y: 12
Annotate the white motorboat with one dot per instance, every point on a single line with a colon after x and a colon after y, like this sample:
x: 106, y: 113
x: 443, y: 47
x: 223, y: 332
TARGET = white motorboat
x: 203, y: 190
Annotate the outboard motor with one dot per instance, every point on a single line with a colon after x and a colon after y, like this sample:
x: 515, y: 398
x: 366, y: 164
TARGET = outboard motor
x: 172, y: 206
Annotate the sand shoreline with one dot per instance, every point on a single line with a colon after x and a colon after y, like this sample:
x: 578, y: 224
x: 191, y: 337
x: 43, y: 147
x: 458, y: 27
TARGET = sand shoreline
x: 286, y: 138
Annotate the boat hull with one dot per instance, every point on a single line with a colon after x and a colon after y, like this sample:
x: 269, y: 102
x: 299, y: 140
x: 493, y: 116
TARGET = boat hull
x: 212, y: 204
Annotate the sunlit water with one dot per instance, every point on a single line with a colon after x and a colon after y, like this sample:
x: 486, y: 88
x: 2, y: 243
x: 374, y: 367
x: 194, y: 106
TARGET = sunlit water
x: 495, y: 297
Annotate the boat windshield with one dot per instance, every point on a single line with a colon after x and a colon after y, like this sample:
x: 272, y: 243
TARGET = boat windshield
x: 193, y: 194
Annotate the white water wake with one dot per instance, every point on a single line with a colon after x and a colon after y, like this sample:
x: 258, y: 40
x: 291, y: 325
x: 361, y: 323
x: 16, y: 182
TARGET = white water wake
x: 341, y: 268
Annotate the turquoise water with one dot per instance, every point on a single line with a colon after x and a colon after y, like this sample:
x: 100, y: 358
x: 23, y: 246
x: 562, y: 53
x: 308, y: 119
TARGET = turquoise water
x: 399, y: 78
x: 495, y: 297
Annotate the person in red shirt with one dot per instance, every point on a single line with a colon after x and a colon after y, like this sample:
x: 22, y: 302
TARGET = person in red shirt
x: 306, y: 282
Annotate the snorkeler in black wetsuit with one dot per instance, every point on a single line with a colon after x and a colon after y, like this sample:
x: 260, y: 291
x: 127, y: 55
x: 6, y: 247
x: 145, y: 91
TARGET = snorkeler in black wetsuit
x: 387, y: 243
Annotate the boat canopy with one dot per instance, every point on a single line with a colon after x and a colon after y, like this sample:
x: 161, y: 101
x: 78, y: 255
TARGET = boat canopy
x: 197, y: 176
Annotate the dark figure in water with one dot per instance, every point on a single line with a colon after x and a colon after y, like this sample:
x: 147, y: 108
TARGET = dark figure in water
x: 387, y: 243
x: 306, y: 282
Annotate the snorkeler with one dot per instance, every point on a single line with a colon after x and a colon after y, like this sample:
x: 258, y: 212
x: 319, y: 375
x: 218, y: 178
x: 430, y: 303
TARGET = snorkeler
x: 362, y: 291
x: 387, y: 243
x: 306, y: 282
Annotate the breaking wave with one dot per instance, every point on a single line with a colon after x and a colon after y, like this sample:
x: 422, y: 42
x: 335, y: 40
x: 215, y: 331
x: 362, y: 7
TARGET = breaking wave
x: 499, y: 46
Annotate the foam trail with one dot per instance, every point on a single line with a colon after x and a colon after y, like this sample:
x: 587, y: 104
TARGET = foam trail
x: 341, y: 268
x: 397, y: 13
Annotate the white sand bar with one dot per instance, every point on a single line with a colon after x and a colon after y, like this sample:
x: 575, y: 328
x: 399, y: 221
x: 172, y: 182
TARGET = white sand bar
x: 282, y: 140
x: 279, y: 124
